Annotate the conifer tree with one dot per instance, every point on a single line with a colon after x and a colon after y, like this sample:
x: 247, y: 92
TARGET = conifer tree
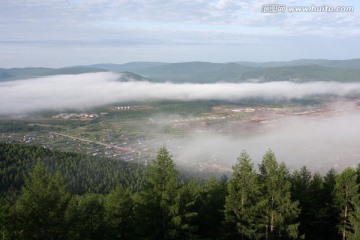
x: 241, y: 204
x: 314, y: 221
x: 40, y: 209
x: 211, y: 212
x: 160, y: 196
x: 347, y: 199
x: 5, y: 220
x: 279, y: 210
x: 188, y: 200
x: 118, y: 213
x: 354, y: 221
x: 85, y: 216
x: 309, y: 191
x: 328, y: 212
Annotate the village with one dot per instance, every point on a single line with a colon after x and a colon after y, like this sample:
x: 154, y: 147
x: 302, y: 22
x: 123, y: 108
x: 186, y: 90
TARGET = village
x: 138, y: 140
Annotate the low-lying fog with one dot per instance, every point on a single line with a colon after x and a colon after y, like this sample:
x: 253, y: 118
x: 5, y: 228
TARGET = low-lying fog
x: 84, y: 91
x: 319, y: 143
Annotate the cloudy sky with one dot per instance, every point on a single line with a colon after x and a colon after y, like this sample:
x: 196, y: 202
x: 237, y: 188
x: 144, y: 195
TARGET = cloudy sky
x: 58, y: 33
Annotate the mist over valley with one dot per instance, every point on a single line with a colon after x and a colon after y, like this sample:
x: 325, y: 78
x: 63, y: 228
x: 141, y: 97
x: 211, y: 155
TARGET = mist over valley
x: 205, y: 124
x: 174, y: 120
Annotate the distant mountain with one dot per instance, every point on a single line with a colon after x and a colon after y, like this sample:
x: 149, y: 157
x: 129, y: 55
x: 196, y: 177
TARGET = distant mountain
x: 303, y: 74
x: 127, y: 67
x: 23, y: 73
x: 345, y: 64
x: 129, y: 76
x: 204, y: 72
x: 200, y: 72
x: 16, y: 73
x: 5, y: 75
x: 303, y: 70
x: 74, y: 70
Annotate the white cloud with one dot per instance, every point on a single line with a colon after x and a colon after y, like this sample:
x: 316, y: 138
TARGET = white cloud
x: 96, y: 89
x: 87, y: 14
x: 117, y: 24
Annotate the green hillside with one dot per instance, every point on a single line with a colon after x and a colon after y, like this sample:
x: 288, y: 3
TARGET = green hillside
x: 82, y: 173
x: 74, y: 70
x: 303, y: 74
x: 16, y: 73
x: 127, y: 67
x: 129, y: 76
x: 207, y: 72
x: 345, y: 64
x: 202, y: 72
x: 23, y: 73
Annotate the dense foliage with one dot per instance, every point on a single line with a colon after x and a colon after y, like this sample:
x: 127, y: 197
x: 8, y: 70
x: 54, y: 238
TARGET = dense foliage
x: 55, y: 195
x: 80, y: 172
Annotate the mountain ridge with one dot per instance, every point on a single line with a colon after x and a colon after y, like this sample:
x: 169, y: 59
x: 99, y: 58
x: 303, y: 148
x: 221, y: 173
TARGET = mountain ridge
x: 301, y: 70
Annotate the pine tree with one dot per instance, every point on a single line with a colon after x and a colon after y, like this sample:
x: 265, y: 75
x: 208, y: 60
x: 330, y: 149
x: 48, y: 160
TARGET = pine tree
x: 354, y: 220
x: 241, y: 204
x: 347, y: 199
x: 85, y: 216
x: 307, y: 189
x: 188, y: 200
x: 211, y: 212
x: 314, y: 220
x: 40, y: 209
x: 118, y: 213
x: 279, y: 211
x: 327, y: 213
x: 160, y: 196
x: 5, y: 220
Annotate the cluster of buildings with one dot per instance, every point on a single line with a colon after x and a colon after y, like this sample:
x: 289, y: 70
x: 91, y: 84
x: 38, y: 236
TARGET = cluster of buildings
x: 127, y: 108
x: 76, y: 116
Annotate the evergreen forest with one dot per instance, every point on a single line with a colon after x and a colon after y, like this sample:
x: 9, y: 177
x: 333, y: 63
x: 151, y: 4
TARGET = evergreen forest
x: 48, y: 194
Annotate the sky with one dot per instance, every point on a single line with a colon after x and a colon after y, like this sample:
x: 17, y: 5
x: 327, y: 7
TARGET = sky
x: 59, y: 33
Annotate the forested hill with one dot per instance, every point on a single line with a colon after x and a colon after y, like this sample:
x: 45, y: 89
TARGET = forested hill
x: 82, y: 173
x: 30, y: 72
x: 264, y: 203
x: 207, y: 72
